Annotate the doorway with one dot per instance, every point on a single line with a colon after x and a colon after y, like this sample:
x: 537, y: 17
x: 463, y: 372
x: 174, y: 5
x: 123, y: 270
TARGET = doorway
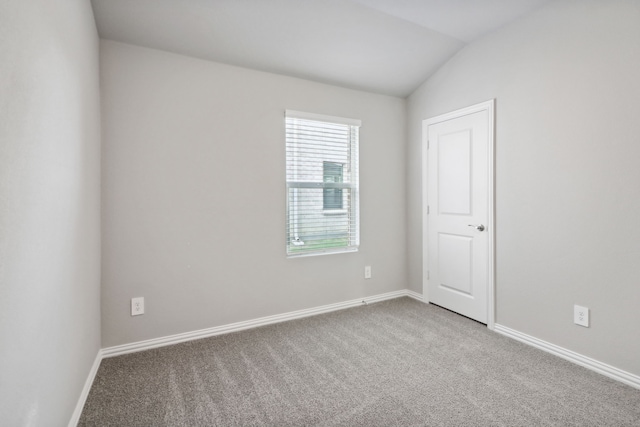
x: 458, y: 211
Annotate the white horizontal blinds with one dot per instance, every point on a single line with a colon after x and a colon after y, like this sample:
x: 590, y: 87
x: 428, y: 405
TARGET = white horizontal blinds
x: 322, y: 184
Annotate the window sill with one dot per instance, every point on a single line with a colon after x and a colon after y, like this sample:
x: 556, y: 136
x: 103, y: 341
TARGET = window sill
x: 324, y: 252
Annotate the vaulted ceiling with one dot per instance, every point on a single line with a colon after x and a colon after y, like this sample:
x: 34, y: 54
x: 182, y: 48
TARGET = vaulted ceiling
x: 382, y: 46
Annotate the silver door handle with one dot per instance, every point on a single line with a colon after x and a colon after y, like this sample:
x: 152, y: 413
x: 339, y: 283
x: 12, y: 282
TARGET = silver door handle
x: 477, y: 227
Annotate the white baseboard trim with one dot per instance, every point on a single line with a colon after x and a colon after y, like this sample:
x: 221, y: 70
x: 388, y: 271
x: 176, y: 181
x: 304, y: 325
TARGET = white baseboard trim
x: 416, y: 296
x: 587, y: 362
x: 75, y: 417
x: 248, y: 324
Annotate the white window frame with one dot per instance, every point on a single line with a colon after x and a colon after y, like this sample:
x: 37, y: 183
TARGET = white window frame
x: 352, y: 210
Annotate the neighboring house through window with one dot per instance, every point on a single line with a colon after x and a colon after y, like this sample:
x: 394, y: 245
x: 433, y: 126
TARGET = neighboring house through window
x: 332, y: 197
x: 322, y: 184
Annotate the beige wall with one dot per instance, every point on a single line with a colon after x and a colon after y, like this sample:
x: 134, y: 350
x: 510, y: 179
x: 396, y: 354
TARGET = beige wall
x: 194, y: 195
x: 567, y: 95
x: 49, y: 208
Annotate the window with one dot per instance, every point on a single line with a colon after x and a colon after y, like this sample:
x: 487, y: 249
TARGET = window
x: 332, y: 197
x: 322, y: 184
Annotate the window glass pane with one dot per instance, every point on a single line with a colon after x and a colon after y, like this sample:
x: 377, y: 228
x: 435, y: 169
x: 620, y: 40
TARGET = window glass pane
x: 332, y: 197
x: 322, y: 186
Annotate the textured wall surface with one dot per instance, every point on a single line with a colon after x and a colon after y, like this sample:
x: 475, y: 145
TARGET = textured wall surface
x: 567, y: 92
x: 194, y: 195
x: 49, y: 208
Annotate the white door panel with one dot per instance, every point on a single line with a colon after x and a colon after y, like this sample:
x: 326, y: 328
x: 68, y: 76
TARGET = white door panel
x: 455, y: 254
x: 459, y: 181
x: 454, y: 173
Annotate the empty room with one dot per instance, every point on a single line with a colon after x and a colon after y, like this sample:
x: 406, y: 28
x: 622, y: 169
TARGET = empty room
x: 320, y: 213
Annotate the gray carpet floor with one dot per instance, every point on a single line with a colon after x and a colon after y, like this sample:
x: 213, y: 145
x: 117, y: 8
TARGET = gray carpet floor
x: 395, y: 363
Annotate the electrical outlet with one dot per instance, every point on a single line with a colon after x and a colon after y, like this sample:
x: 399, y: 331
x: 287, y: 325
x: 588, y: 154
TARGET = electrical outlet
x: 367, y: 272
x: 137, y: 306
x: 581, y: 315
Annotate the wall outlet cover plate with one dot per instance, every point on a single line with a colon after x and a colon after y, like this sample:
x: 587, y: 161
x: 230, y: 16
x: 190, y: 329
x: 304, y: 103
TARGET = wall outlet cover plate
x: 581, y: 315
x: 137, y: 306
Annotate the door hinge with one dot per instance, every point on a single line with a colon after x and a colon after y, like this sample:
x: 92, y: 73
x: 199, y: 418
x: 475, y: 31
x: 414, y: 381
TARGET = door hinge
x: 427, y: 209
x: 428, y: 144
x: 427, y: 274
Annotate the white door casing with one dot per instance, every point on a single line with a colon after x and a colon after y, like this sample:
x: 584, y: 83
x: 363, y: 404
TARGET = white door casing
x: 458, y: 224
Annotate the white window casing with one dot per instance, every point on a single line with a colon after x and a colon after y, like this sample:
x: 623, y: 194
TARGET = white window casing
x: 316, y: 146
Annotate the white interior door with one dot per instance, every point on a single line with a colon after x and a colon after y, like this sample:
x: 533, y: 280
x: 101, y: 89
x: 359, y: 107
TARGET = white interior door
x: 459, y: 213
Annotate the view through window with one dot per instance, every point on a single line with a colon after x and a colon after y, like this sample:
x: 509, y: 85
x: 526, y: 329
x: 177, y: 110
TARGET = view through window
x: 322, y: 184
